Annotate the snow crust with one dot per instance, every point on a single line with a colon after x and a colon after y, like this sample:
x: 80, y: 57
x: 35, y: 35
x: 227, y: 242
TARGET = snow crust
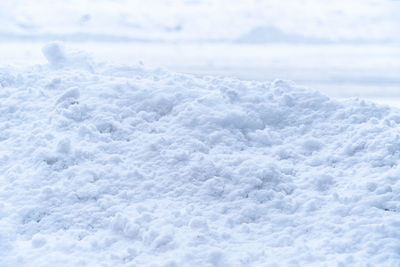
x: 106, y: 165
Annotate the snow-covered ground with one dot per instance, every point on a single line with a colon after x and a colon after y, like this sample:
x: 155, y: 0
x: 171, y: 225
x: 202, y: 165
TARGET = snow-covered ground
x: 206, y: 20
x: 342, y: 48
x: 123, y: 165
x: 243, y: 38
x: 176, y: 138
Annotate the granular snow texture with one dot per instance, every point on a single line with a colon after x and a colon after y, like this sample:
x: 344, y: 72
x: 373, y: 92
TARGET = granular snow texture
x: 106, y: 165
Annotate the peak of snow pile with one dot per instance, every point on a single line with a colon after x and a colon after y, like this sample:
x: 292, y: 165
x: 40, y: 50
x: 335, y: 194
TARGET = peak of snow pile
x: 59, y: 57
x: 123, y: 165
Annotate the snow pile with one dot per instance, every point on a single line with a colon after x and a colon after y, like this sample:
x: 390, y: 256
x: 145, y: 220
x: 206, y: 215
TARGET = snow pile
x: 112, y: 165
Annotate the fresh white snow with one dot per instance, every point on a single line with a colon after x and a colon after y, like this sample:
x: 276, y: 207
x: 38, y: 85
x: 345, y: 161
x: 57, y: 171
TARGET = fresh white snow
x: 201, y: 20
x: 368, y: 71
x: 341, y: 48
x: 112, y: 165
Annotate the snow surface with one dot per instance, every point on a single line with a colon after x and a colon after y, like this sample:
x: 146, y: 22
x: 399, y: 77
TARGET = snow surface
x: 201, y: 20
x: 341, y: 48
x: 110, y: 165
x: 368, y: 71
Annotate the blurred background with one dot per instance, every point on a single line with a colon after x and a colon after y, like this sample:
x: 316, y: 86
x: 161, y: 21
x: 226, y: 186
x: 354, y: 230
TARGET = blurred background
x: 341, y: 48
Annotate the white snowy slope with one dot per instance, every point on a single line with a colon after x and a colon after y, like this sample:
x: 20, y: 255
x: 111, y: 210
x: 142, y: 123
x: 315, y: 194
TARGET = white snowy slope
x: 104, y: 165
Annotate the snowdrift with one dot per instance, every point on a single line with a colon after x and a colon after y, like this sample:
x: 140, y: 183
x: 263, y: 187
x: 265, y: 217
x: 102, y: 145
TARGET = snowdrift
x: 104, y: 165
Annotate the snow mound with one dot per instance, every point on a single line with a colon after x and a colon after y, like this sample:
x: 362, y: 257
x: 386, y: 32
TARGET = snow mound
x: 59, y: 57
x: 124, y: 165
